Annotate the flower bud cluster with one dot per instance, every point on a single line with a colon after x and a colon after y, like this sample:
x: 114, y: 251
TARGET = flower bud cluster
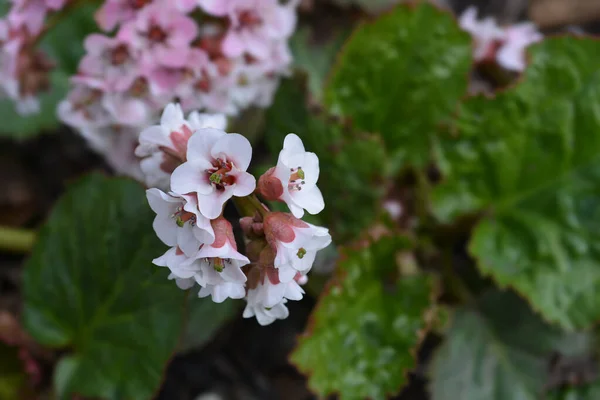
x: 23, y: 68
x: 200, y: 168
x: 502, y: 45
x: 213, y: 56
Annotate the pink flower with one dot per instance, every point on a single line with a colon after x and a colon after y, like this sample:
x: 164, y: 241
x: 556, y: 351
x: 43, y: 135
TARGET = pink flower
x: 28, y: 13
x: 178, y: 221
x: 294, y: 179
x: 162, y: 33
x: 215, y: 169
x: 114, y: 12
x: 111, y: 59
x: 296, y: 243
x: 511, y: 54
x: 486, y: 33
x: 220, y: 274
x: 255, y: 24
x: 163, y: 147
x: 83, y: 106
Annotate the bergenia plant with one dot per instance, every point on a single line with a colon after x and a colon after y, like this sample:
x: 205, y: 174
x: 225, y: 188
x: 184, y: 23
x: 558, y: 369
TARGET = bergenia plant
x: 414, y: 213
x: 206, y: 168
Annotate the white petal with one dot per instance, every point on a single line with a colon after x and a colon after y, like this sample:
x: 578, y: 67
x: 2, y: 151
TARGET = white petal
x: 245, y: 184
x: 191, y: 177
x: 172, y: 117
x: 293, y: 143
x: 310, y: 199
x: 232, y: 273
x: 186, y: 240
x: 201, y: 143
x: 233, y: 147
x: 162, y: 203
x: 211, y: 205
x: 166, y: 229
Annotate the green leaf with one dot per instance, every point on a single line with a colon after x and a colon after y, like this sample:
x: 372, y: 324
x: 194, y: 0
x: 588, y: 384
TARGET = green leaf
x: 75, y: 25
x: 496, y: 350
x: 353, y: 165
x: 402, y: 76
x: 586, y: 392
x: 363, y: 334
x: 529, y: 160
x: 316, y: 57
x: 90, y: 286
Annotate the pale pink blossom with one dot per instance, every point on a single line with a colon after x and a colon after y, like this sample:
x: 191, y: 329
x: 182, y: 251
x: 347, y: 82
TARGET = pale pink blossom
x: 114, y: 12
x: 294, y: 179
x: 162, y: 33
x: 178, y: 221
x: 28, y: 13
x: 511, y: 55
x: 111, y: 59
x: 296, y: 243
x: 220, y: 275
x: 183, y: 269
x: 486, y: 33
x: 215, y: 169
x: 266, y: 315
x: 163, y: 147
x: 254, y: 24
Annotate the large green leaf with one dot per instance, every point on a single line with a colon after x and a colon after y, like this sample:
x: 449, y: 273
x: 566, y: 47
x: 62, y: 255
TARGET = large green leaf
x: 363, y: 334
x: 496, y: 350
x: 402, y: 76
x: 353, y: 166
x: 204, y: 318
x: 90, y: 287
x: 529, y: 159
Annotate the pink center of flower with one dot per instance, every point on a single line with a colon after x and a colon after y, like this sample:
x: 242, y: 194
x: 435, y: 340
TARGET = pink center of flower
x: 249, y: 19
x: 157, y: 34
x: 203, y: 84
x: 137, y: 4
x: 296, y: 179
x: 139, y: 87
x: 219, y: 176
x: 119, y: 55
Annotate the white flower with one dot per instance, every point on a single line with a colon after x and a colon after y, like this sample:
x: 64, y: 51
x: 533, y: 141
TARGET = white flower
x: 215, y: 169
x: 486, y: 33
x: 296, y: 243
x: 266, y: 315
x: 294, y: 179
x: 201, y: 121
x: 178, y: 221
x: 182, y: 268
x: 511, y: 54
x: 163, y: 147
x: 219, y: 265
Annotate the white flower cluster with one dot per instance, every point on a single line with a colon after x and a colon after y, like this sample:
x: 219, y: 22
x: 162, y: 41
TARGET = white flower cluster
x: 201, y: 167
x: 502, y: 45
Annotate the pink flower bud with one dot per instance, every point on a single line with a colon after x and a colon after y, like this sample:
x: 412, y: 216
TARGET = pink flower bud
x: 269, y: 186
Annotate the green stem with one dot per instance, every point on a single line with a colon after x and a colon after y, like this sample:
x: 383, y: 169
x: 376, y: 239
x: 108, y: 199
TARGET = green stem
x: 249, y: 206
x: 16, y: 240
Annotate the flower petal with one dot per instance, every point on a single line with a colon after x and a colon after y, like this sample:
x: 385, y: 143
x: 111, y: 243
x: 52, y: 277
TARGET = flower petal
x: 233, y: 147
x: 191, y: 177
x: 244, y: 184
